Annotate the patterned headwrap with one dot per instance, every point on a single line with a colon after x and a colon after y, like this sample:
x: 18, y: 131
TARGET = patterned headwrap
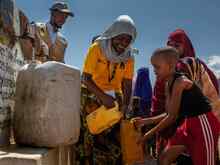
x: 192, y: 68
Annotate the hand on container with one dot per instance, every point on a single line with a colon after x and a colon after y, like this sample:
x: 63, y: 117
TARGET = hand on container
x: 108, y: 101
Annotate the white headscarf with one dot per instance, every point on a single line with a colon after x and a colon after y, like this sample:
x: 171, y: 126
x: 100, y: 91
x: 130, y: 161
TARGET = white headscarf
x: 122, y: 25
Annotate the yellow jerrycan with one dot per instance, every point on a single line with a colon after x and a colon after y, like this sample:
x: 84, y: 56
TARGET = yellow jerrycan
x: 103, y: 118
x: 131, y: 151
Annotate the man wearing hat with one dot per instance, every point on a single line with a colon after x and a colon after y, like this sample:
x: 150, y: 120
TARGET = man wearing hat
x: 49, y: 43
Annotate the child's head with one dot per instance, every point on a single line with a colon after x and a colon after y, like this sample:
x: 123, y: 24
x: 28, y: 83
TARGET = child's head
x: 164, y: 61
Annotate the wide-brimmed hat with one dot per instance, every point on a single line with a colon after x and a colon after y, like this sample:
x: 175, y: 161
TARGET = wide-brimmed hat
x: 62, y: 7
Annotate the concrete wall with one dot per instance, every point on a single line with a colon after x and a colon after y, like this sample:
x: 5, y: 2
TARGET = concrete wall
x: 17, y: 155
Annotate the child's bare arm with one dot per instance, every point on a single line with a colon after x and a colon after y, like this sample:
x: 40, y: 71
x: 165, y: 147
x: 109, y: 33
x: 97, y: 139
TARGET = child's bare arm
x: 140, y: 122
x: 155, y: 119
x: 172, y: 107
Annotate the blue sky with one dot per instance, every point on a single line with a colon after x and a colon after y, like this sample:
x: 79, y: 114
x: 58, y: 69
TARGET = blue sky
x: 154, y: 19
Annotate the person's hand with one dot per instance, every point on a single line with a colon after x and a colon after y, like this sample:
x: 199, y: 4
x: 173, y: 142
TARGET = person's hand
x: 148, y: 135
x: 141, y: 141
x: 138, y: 122
x: 108, y: 101
x: 124, y: 108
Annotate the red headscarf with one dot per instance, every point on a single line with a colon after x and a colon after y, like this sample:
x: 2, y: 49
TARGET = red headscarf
x: 180, y: 36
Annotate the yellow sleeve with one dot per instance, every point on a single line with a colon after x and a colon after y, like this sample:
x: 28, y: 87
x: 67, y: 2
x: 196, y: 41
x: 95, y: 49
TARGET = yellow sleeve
x: 129, y: 69
x: 91, y: 59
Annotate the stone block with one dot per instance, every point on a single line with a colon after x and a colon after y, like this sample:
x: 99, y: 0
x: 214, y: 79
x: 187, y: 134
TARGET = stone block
x: 18, y: 155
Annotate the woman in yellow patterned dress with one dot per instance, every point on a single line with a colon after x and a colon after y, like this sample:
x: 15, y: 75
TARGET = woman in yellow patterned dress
x: 107, y: 75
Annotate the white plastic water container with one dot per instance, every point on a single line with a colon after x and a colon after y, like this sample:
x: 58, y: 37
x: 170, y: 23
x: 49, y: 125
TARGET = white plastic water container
x: 47, y: 105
